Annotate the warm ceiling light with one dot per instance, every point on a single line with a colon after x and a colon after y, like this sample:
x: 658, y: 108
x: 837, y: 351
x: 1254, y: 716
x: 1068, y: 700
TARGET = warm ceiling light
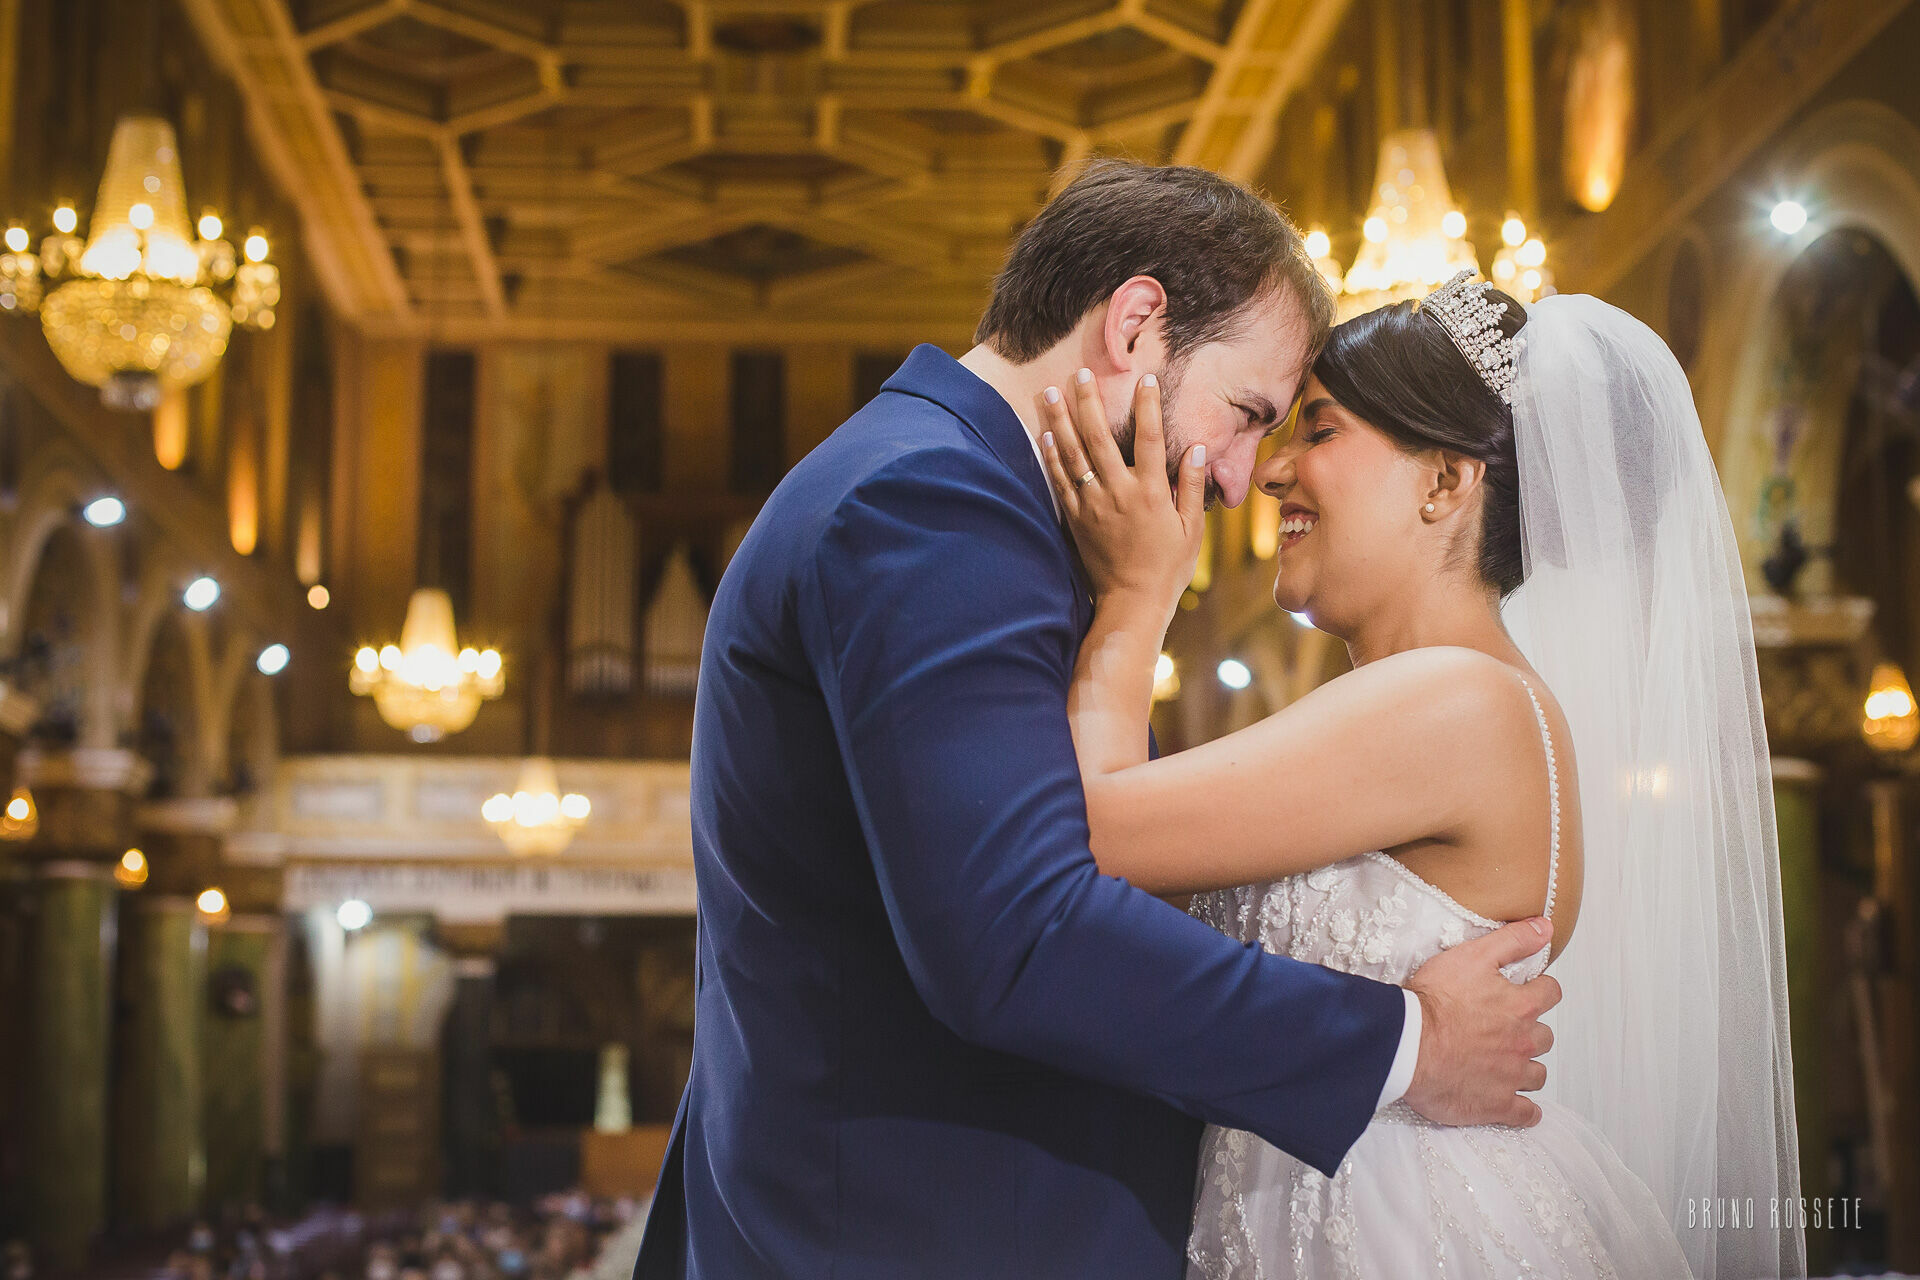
x: 200, y: 594
x: 273, y: 660
x: 132, y: 870
x: 426, y: 686
x: 537, y: 818
x: 256, y: 247
x: 1415, y: 236
x: 210, y: 227
x: 138, y: 307
x: 21, y: 818
x: 1234, y: 674
x: 1318, y: 244
x: 1166, y: 678
x: 104, y: 512
x: 17, y: 238
x: 212, y: 903
x: 318, y: 596
x: 1513, y: 232
x: 1890, y: 720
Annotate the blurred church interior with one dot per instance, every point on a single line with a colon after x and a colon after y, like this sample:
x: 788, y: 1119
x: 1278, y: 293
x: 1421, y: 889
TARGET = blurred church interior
x: 384, y: 385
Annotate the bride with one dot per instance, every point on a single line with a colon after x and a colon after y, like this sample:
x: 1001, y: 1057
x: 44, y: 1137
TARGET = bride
x: 1512, y: 520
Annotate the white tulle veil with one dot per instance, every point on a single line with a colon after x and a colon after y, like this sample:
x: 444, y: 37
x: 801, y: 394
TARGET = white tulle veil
x: 1672, y: 1037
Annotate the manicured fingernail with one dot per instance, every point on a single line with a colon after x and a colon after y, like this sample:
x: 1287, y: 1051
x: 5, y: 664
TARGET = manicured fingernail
x: 1083, y: 377
x: 1150, y: 381
x: 1540, y: 927
x: 1199, y: 455
x: 1046, y: 437
x: 1051, y: 395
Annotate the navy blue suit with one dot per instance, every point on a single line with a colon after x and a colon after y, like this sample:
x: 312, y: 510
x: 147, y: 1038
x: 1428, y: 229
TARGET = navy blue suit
x: 931, y: 1038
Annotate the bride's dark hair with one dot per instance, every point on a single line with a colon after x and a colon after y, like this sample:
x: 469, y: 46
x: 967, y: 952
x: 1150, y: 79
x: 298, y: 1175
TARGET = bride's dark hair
x: 1399, y: 371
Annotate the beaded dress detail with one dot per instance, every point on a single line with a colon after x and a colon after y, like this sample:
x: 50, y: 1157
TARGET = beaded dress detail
x: 1413, y: 1198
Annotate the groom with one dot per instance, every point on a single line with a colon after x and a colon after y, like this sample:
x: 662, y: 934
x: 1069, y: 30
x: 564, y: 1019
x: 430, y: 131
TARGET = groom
x: 931, y: 1039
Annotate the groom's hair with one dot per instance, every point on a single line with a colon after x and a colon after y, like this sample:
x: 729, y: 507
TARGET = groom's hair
x: 1213, y: 245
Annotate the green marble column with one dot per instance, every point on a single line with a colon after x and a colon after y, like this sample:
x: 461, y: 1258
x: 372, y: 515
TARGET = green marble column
x: 72, y: 978
x: 1796, y: 805
x: 159, y: 1155
x: 234, y: 1042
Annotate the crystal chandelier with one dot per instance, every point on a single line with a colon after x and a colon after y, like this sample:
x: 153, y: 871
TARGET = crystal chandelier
x: 536, y: 819
x: 427, y: 686
x: 1414, y: 239
x: 140, y: 306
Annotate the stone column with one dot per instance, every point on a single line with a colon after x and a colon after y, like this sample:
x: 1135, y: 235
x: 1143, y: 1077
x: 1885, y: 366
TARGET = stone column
x: 1796, y: 802
x: 234, y: 1047
x: 17, y: 714
x: 72, y: 975
x: 471, y: 1141
x: 1894, y: 885
x: 159, y: 1148
x: 160, y: 1155
x: 84, y: 819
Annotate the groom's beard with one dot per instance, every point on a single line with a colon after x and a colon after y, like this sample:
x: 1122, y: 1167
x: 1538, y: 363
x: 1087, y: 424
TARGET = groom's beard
x: 1177, y: 446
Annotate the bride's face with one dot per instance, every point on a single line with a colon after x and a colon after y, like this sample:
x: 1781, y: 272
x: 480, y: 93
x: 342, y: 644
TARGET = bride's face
x: 1350, y: 513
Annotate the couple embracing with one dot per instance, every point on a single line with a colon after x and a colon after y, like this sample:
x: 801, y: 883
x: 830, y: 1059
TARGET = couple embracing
x: 948, y: 1023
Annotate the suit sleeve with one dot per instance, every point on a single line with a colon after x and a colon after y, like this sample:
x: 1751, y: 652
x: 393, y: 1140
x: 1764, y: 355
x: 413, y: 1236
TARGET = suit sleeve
x: 940, y: 626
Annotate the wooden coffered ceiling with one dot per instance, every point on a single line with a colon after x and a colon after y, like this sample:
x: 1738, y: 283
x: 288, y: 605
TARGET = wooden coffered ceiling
x: 644, y: 168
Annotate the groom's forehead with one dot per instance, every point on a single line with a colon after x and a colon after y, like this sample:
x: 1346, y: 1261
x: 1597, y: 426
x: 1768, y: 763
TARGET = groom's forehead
x: 1267, y: 349
x: 1273, y: 326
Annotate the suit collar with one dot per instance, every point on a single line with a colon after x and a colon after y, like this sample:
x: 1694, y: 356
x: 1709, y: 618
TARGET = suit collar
x: 932, y: 374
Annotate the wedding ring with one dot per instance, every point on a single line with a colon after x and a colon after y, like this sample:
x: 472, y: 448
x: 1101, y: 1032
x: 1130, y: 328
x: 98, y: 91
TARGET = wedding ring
x: 1085, y: 480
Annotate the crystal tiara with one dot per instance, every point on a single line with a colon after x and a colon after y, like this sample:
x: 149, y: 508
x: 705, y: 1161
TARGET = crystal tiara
x: 1472, y: 320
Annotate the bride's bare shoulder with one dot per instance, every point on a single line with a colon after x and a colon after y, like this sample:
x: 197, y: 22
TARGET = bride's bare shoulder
x: 1465, y: 689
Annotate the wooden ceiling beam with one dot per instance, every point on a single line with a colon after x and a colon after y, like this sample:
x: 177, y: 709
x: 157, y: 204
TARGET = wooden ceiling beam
x: 1230, y: 137
x: 352, y: 24
x: 473, y: 231
x: 295, y: 134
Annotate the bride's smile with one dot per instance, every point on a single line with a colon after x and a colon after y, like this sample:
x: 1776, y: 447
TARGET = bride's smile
x: 1296, y: 522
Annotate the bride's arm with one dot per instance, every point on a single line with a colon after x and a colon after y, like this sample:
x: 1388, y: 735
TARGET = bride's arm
x: 1394, y: 752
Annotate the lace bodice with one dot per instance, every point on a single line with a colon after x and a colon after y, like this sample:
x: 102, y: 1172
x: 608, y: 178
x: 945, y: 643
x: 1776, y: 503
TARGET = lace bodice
x: 1413, y: 1197
x: 1371, y: 915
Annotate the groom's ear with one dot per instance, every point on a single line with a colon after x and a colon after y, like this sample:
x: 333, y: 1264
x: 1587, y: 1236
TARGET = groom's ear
x: 1131, y: 332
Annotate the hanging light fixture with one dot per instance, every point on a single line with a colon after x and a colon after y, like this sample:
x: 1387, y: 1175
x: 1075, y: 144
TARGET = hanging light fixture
x: 537, y: 819
x: 1890, y: 721
x: 427, y: 686
x: 1413, y: 239
x: 141, y: 306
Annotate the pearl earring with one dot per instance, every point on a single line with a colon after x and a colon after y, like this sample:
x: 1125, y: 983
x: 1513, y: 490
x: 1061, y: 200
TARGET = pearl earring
x: 1429, y: 508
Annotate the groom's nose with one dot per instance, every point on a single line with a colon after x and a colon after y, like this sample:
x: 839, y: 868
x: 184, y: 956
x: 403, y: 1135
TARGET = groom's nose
x: 1232, y: 472
x: 1230, y: 483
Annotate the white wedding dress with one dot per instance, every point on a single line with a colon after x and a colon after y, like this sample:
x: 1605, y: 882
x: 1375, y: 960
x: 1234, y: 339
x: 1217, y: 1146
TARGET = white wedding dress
x: 1413, y: 1198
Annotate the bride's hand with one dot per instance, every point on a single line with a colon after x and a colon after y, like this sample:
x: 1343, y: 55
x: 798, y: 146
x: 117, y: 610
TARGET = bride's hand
x: 1133, y: 536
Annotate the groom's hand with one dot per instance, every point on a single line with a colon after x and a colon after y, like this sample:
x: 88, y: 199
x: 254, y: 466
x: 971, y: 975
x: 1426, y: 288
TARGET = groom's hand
x: 1479, y: 1033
